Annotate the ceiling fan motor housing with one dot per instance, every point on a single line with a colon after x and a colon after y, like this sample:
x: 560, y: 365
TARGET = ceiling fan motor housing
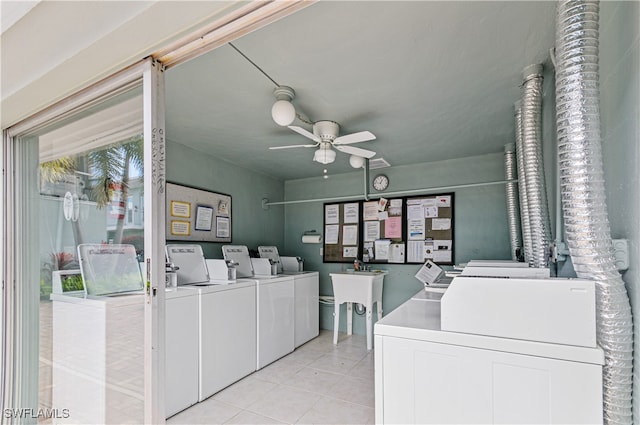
x: 326, y: 130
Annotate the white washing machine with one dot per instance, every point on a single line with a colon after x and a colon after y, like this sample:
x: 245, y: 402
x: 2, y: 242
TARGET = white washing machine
x: 306, y: 289
x: 275, y: 319
x: 275, y: 307
x: 491, y: 350
x: 227, y: 333
x: 181, y: 349
x: 226, y: 321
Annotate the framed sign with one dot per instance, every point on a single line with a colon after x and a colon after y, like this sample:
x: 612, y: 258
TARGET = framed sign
x: 197, y: 215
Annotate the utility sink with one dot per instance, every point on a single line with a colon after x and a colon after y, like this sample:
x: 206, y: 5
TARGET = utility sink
x: 367, y: 273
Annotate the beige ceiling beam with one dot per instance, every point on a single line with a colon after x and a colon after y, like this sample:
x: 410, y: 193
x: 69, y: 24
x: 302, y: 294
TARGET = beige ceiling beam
x: 249, y: 18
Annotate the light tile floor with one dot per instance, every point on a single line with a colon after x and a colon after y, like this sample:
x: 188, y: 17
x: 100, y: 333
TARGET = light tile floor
x: 319, y: 383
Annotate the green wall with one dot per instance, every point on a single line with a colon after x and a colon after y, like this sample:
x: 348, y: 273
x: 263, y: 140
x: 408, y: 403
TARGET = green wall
x: 251, y: 225
x: 480, y: 220
x: 620, y: 125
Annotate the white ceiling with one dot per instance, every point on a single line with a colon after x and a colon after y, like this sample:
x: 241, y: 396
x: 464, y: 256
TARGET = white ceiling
x: 432, y: 80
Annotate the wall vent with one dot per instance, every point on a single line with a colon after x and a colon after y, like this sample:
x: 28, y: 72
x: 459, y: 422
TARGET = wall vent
x: 378, y: 163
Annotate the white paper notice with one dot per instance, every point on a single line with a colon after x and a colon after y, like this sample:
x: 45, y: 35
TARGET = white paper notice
x: 430, y: 212
x: 428, y: 250
x: 382, y: 249
x: 395, y: 203
x: 223, y: 230
x: 442, y: 256
x: 416, y: 229
x: 331, y: 234
x: 395, y: 211
x: 371, y: 230
x: 351, y: 213
x: 396, y: 253
x: 370, y: 210
x: 431, y: 202
x: 442, y: 251
x: 350, y: 251
x: 443, y: 201
x: 349, y: 235
x: 367, y: 253
x: 442, y: 245
x: 429, y: 273
x: 415, y: 212
x: 332, y: 214
x: 441, y: 224
x: 383, y: 215
x: 204, y: 218
x: 415, y: 251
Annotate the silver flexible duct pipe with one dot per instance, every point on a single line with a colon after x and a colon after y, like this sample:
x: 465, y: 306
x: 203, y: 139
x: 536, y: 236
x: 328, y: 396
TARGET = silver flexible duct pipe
x: 583, y: 197
x: 533, y: 165
x: 513, y: 209
x: 522, y: 187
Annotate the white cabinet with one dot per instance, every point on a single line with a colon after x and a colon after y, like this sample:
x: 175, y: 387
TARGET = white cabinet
x: 426, y: 375
x: 98, y: 359
x: 227, y: 335
x: 424, y: 382
x: 307, y: 309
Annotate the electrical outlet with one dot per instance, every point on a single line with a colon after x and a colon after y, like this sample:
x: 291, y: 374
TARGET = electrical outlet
x: 621, y: 253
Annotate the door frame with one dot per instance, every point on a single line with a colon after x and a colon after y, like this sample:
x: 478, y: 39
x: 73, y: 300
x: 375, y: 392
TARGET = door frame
x: 18, y: 318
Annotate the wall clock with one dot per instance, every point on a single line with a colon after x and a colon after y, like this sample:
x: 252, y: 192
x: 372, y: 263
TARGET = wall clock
x: 380, y: 182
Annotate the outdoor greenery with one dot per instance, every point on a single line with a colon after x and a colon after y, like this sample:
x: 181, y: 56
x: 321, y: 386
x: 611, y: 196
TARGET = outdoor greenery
x: 108, y: 175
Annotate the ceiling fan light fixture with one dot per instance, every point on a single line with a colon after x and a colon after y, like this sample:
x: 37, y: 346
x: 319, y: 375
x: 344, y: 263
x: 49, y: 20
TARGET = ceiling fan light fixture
x: 324, y: 156
x: 356, y: 161
x: 283, y: 112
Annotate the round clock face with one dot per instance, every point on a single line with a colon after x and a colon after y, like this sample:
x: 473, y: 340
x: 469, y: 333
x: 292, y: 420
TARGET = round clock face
x: 380, y: 182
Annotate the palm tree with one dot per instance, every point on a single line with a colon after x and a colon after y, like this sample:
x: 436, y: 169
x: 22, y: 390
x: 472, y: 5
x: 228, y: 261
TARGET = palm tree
x: 111, y: 167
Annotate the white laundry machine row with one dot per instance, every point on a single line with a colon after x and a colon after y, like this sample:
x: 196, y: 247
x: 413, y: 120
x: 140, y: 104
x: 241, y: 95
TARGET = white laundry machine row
x: 242, y: 325
x: 287, y: 304
x: 210, y: 340
x: 306, y: 293
x: 491, y: 351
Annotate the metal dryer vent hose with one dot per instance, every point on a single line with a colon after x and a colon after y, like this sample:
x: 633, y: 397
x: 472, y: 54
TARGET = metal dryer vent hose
x: 583, y: 197
x: 513, y: 209
x: 522, y: 186
x: 531, y: 118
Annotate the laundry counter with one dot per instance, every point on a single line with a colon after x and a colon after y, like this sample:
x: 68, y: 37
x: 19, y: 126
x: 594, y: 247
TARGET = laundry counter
x: 426, y: 375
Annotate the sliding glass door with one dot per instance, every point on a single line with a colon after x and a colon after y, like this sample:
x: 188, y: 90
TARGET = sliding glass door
x: 83, y: 250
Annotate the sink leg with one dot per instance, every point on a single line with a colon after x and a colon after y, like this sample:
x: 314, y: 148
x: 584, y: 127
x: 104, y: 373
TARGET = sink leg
x: 336, y: 322
x: 349, y: 318
x: 369, y: 327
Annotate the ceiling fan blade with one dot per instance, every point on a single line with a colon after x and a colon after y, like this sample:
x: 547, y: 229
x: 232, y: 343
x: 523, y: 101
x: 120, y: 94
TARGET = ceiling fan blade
x: 305, y: 133
x: 356, y: 151
x: 362, y: 136
x: 294, y: 146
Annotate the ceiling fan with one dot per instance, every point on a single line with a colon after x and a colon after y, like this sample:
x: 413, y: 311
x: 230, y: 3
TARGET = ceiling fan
x: 325, y: 136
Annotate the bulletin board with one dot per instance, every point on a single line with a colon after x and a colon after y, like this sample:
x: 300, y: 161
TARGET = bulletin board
x: 342, y: 232
x: 383, y: 231
x: 197, y: 215
x: 406, y: 230
x: 430, y: 229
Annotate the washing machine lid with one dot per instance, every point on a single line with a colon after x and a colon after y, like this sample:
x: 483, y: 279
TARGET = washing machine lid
x: 555, y: 310
x: 240, y: 255
x: 190, y: 261
x: 271, y: 252
x: 110, y: 269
